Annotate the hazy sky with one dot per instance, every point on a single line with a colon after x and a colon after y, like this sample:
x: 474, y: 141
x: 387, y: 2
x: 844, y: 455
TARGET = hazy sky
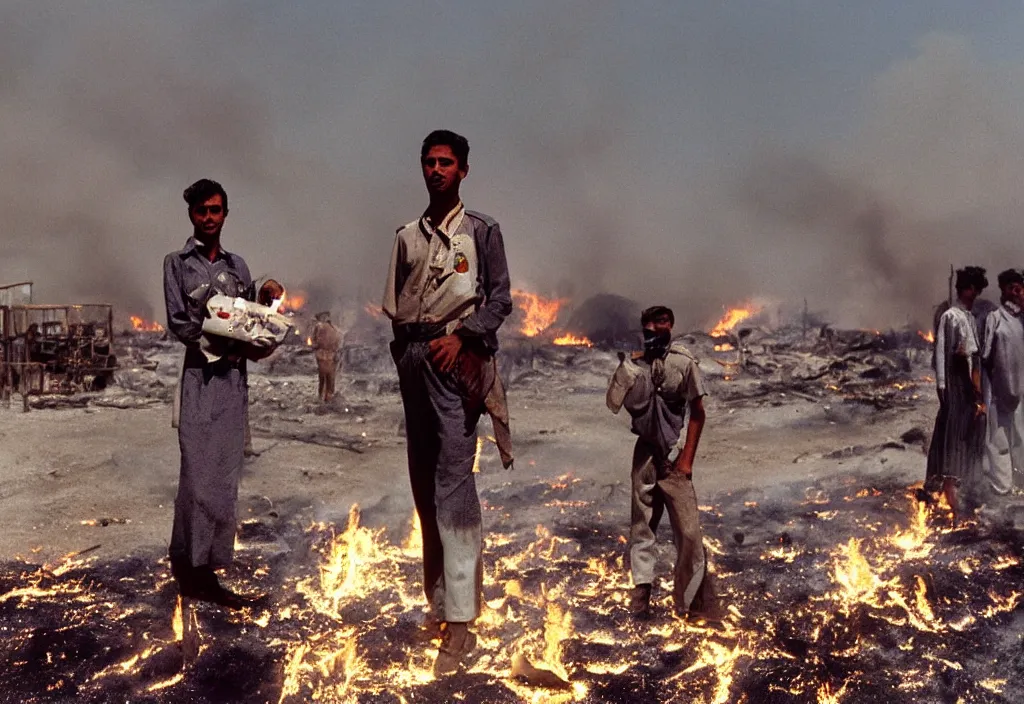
x: 696, y: 152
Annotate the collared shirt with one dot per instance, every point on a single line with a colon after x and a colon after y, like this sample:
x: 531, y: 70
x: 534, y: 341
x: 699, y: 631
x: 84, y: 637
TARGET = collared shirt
x: 434, y: 271
x: 656, y: 395
x: 191, y: 279
x: 956, y: 336
x: 1003, y: 352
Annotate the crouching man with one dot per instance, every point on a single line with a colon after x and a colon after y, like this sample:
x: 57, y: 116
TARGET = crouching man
x: 657, y: 387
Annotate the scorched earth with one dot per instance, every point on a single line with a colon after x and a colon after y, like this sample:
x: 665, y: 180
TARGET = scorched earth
x: 841, y: 586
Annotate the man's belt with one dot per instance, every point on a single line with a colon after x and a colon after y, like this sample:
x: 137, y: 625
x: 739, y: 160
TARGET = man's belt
x: 419, y: 332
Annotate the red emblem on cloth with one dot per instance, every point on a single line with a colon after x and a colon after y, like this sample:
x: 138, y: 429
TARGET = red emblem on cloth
x: 461, y: 263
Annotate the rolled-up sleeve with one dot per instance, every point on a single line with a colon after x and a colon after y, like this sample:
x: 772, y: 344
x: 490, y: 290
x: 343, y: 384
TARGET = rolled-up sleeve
x: 395, y: 281
x: 179, y: 320
x: 940, y: 351
x: 693, y: 386
x: 497, y: 288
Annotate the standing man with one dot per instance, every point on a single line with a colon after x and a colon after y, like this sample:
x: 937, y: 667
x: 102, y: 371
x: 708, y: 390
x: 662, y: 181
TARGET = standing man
x: 213, y: 400
x: 326, y: 340
x: 657, y: 388
x: 958, y: 440
x: 447, y: 294
x: 1002, y: 363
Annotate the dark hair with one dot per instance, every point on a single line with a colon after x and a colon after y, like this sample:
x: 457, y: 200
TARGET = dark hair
x: 655, y: 313
x: 971, y: 276
x: 1010, y: 276
x: 446, y: 138
x: 202, y: 190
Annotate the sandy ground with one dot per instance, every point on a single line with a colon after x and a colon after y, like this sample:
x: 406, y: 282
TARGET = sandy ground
x: 59, y: 468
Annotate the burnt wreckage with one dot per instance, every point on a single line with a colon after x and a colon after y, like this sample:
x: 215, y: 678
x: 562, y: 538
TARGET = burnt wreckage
x: 53, y: 349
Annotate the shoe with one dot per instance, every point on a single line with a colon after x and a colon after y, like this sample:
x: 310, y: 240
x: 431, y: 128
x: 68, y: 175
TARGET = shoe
x: 202, y: 585
x: 640, y: 601
x: 712, y: 618
x: 457, y: 642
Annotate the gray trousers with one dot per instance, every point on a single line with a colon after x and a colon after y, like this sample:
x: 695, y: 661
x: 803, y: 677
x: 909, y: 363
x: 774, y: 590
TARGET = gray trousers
x: 211, y: 436
x: 656, y: 487
x: 441, y: 443
x: 1005, y: 418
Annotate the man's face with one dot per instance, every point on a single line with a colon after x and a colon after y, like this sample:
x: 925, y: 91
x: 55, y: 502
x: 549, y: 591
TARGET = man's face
x: 1015, y: 293
x: 441, y: 170
x: 208, y: 218
x: 659, y: 325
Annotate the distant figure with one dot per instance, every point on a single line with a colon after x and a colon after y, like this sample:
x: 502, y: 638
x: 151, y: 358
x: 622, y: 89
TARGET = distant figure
x: 326, y: 341
x: 663, y: 391
x: 1002, y: 365
x: 447, y: 294
x: 957, y: 446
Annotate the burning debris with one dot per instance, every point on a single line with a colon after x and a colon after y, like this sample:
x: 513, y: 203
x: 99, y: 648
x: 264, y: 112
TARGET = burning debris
x: 142, y: 325
x: 880, y: 604
x: 538, y: 317
x: 733, y: 317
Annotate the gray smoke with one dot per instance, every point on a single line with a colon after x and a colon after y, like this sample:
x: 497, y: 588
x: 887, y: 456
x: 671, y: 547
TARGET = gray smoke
x: 670, y: 156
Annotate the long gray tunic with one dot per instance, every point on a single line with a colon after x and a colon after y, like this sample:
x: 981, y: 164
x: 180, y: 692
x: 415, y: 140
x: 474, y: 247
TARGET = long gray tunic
x: 958, y: 439
x: 1002, y: 363
x: 214, y: 398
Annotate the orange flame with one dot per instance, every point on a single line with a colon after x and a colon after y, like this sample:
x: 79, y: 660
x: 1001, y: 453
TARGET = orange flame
x: 292, y: 302
x: 733, y: 317
x: 540, y: 312
x: 570, y: 340
x: 143, y: 325
x: 927, y: 336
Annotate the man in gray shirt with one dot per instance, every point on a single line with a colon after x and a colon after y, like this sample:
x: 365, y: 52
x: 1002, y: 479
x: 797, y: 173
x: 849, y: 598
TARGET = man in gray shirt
x: 447, y: 294
x: 214, y: 398
x: 1002, y: 361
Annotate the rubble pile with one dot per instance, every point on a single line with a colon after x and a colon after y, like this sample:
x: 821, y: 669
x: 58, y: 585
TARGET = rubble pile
x: 881, y: 369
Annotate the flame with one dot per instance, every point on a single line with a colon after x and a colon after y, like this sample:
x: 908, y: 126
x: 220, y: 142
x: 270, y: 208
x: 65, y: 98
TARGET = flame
x: 413, y: 544
x: 858, y: 581
x: 914, y: 541
x: 177, y: 623
x: 540, y: 313
x: 927, y: 336
x: 724, y: 347
x: 733, y: 317
x: 292, y: 302
x: 570, y: 340
x: 143, y: 325
x: 476, y: 455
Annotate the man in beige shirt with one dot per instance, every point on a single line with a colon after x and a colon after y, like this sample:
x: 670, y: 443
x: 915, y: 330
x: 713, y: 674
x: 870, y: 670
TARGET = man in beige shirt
x: 447, y: 294
x: 326, y: 341
x: 659, y: 388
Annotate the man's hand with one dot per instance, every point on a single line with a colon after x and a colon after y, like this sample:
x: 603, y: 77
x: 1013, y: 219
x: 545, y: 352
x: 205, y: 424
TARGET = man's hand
x: 681, y: 465
x: 444, y: 352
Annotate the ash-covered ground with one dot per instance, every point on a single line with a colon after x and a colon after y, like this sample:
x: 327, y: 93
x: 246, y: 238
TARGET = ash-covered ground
x: 842, y: 588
